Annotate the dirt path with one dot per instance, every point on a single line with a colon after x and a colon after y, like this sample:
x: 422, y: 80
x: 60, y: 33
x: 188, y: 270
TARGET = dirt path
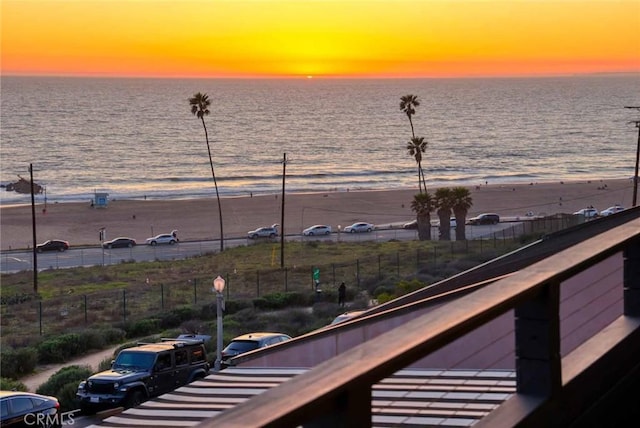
x: 43, y: 373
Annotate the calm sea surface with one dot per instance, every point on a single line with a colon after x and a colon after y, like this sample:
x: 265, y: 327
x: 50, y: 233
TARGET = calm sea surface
x: 136, y: 138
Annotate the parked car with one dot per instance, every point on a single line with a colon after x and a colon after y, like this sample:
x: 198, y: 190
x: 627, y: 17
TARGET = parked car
x: 452, y: 223
x: 163, y: 238
x: 144, y: 371
x: 413, y: 224
x: 347, y: 316
x: 318, y: 229
x: 612, y: 210
x: 486, y: 218
x: 263, y: 232
x: 588, y: 212
x: 53, y: 245
x: 24, y: 409
x: 249, y: 342
x: 359, y: 227
x: 121, y: 242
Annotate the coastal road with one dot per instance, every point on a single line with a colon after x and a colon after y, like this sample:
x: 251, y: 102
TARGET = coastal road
x: 19, y: 260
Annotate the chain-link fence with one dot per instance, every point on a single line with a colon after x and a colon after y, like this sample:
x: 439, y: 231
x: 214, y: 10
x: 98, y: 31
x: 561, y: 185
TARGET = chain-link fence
x: 129, y: 304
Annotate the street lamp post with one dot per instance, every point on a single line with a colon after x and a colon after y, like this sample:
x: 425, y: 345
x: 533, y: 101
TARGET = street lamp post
x: 218, y: 287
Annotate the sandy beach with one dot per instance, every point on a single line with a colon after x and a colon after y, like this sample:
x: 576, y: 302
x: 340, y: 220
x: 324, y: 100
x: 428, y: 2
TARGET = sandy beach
x: 197, y: 219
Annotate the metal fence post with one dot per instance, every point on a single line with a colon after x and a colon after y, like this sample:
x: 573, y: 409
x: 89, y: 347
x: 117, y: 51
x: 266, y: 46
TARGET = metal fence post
x: 286, y: 279
x: 85, y: 309
x: 124, y: 306
x: 195, y: 292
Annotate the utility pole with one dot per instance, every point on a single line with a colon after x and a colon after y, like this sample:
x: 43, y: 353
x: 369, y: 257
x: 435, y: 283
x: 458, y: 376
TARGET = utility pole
x: 33, y: 228
x: 284, y: 169
x: 635, y: 177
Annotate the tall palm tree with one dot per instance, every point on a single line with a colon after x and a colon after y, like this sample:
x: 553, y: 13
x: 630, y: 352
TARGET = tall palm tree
x: 422, y: 205
x: 443, y: 204
x: 200, y: 108
x: 461, y: 202
x: 416, y: 147
x: 408, y: 104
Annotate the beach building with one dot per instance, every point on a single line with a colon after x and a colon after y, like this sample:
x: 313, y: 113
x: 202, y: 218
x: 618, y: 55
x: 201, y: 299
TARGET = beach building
x: 545, y: 336
x: 100, y: 200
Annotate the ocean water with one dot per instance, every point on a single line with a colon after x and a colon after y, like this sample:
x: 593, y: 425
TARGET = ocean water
x: 137, y: 138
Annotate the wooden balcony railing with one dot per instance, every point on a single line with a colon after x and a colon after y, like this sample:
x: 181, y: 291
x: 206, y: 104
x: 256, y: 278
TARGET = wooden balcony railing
x: 337, y: 393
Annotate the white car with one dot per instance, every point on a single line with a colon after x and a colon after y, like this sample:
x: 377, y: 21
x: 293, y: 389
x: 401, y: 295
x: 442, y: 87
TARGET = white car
x: 318, y: 229
x: 263, y: 232
x: 587, y: 212
x: 612, y: 210
x: 163, y: 238
x: 359, y: 227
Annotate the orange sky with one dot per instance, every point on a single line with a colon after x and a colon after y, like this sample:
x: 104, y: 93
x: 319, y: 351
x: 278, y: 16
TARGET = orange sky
x: 361, y: 38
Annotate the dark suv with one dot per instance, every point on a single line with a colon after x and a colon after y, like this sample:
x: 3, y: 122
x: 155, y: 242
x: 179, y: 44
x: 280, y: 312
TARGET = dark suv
x: 142, y: 372
x: 488, y: 218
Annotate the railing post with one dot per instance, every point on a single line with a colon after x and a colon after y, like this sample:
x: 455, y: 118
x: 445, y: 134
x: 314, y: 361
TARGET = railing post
x: 537, y: 333
x: 631, y: 278
x: 352, y: 408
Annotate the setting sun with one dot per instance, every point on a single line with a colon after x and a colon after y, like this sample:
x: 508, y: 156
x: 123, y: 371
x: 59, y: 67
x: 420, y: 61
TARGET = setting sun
x: 360, y: 38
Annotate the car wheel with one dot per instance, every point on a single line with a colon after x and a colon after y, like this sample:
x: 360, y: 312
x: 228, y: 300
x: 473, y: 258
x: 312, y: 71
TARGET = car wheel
x: 352, y: 231
x: 327, y: 232
x: 369, y: 230
x: 154, y: 243
x: 129, y: 245
x: 134, y: 399
x: 61, y: 249
x: 310, y: 233
x: 172, y: 242
x: 109, y: 246
x: 253, y: 236
x: 273, y: 235
x: 39, y: 250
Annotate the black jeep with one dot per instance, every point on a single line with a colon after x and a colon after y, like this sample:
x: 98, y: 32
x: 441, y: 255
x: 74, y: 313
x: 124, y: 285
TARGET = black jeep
x: 142, y: 372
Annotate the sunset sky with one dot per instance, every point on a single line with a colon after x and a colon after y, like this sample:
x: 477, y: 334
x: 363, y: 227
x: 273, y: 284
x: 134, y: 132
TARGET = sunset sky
x: 319, y: 38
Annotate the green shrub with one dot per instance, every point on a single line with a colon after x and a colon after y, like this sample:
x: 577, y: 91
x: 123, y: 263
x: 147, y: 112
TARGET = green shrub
x: 406, y: 287
x: 105, y: 364
x: 232, y: 306
x: 113, y: 335
x: 15, y: 363
x: 143, y: 327
x: 281, y: 300
x: 60, y: 348
x: 93, y: 339
x: 64, y: 376
x: 66, y: 395
x: 384, y: 297
x: 11, y: 385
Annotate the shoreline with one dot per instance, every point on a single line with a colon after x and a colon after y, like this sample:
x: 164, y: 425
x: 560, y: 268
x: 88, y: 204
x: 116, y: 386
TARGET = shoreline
x: 197, y: 218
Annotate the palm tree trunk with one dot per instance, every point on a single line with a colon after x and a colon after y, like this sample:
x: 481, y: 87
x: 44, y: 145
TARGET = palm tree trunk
x: 215, y: 183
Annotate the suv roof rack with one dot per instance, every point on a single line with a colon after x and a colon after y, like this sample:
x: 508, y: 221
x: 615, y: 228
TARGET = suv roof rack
x: 181, y: 342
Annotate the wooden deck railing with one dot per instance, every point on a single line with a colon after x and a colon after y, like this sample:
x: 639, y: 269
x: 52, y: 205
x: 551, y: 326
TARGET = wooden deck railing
x: 337, y: 393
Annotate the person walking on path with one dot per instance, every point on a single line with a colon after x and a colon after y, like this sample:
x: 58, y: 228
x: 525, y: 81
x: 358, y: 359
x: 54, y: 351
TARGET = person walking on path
x: 342, y: 294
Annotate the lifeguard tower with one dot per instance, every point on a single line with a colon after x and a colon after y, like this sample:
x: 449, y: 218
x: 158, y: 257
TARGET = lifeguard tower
x: 100, y: 199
